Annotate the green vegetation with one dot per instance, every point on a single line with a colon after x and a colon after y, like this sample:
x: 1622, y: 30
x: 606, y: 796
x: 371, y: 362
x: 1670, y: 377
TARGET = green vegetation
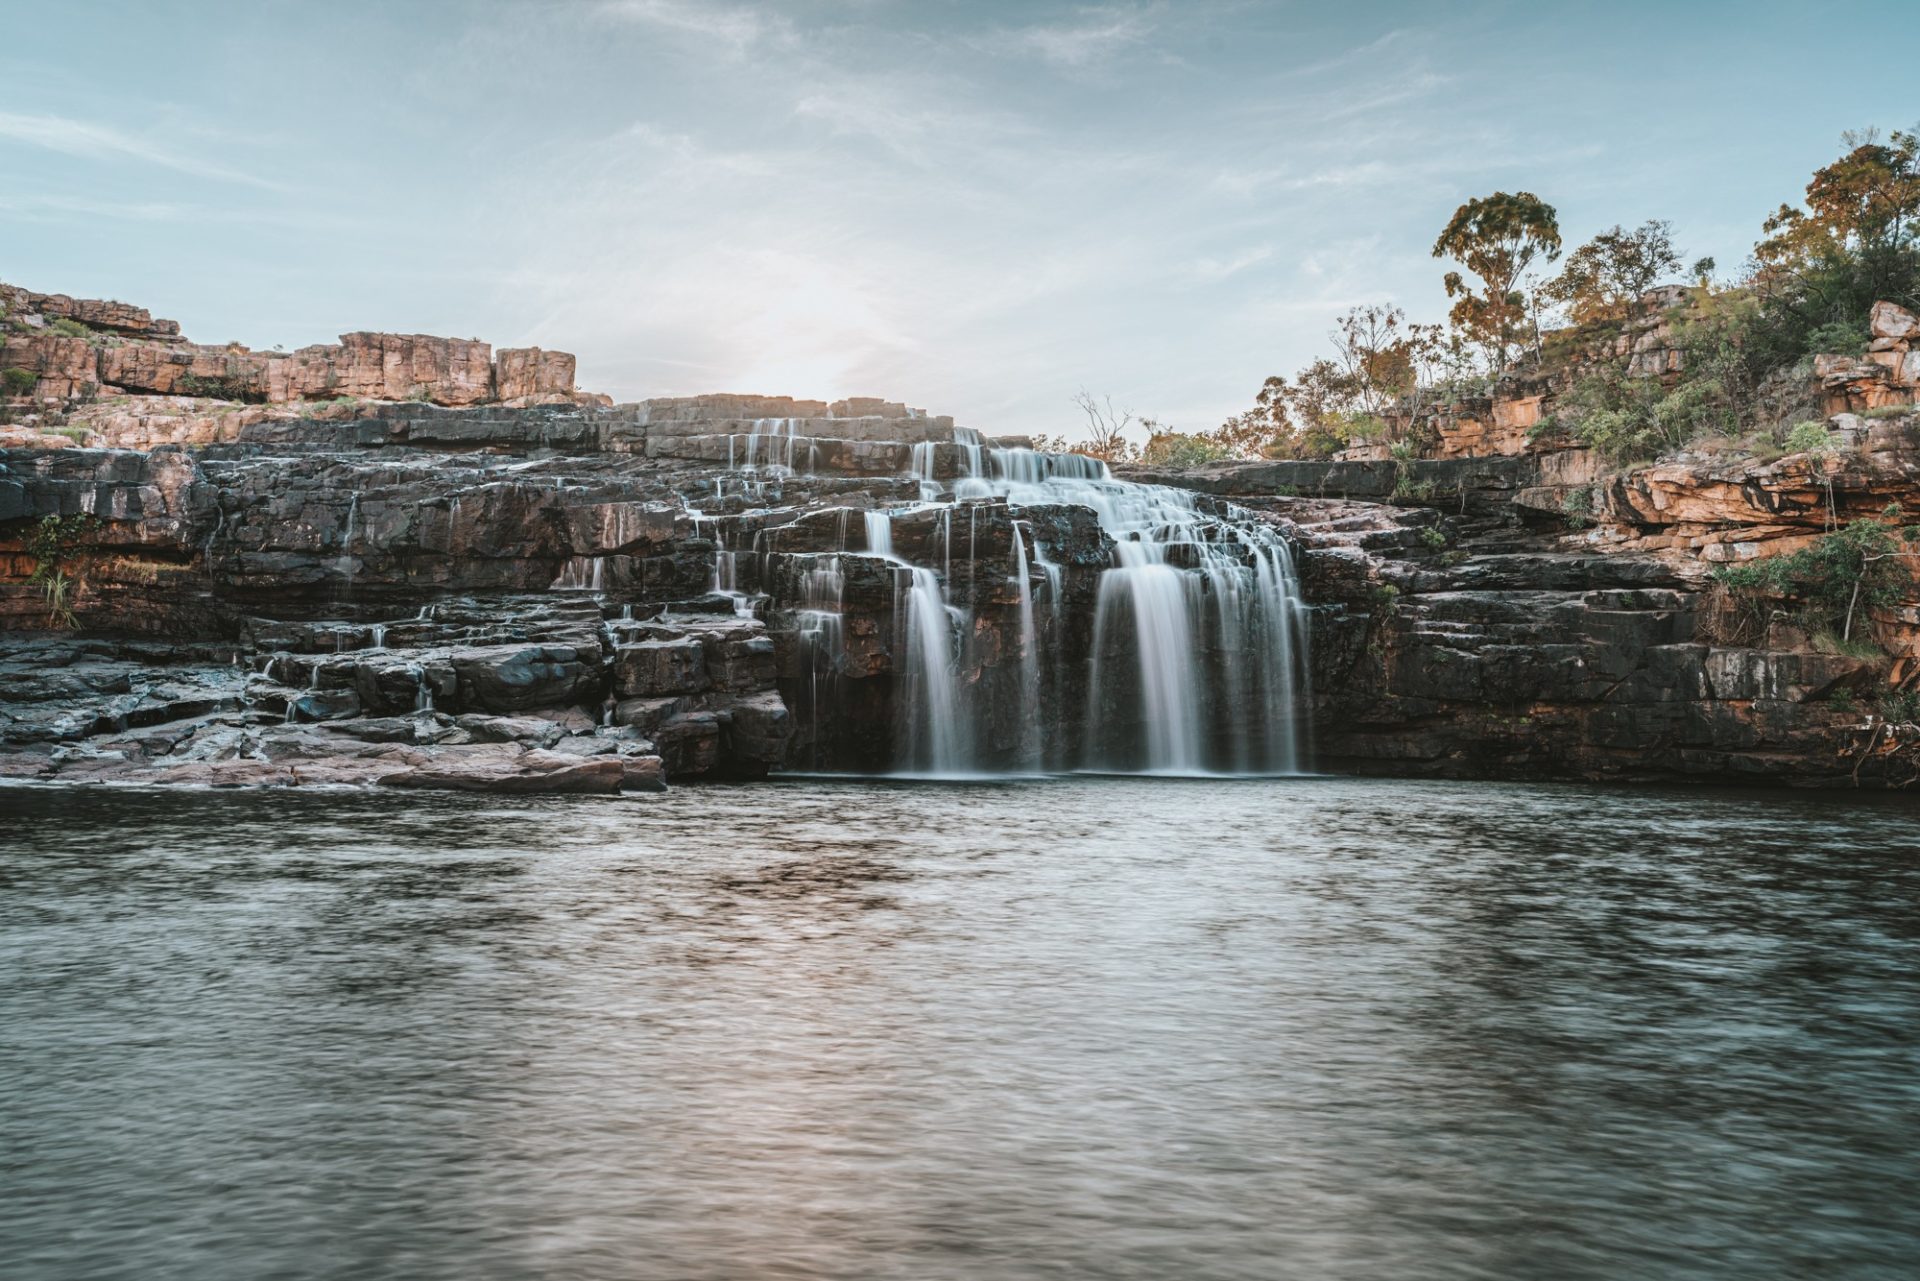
x: 1856, y: 241
x: 1434, y: 538
x: 1863, y: 565
x: 18, y: 381
x: 1577, y: 506
x: 1901, y: 707
x: 69, y: 328
x: 1181, y: 449
x: 1809, y: 438
x: 1891, y: 411
x: 1741, y: 343
x: 52, y: 545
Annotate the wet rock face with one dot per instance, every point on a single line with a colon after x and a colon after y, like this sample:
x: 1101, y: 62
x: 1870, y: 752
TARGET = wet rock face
x: 1433, y: 659
x: 382, y: 574
x: 613, y: 598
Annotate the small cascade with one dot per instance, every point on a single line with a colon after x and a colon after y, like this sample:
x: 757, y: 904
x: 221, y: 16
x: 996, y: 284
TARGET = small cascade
x: 213, y: 536
x: 346, y: 563
x: 879, y: 534
x: 379, y: 638
x: 581, y: 574
x: 422, y: 691
x: 922, y: 461
x: 822, y: 631
x: 726, y: 576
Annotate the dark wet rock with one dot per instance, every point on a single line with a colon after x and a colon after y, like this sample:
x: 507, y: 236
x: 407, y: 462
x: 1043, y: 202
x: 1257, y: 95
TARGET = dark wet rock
x: 511, y: 678
x: 652, y: 668
x: 689, y: 743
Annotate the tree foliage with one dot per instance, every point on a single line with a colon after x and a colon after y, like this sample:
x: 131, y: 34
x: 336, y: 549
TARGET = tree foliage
x: 1497, y: 238
x: 1856, y: 241
x: 1815, y: 274
x: 1602, y: 279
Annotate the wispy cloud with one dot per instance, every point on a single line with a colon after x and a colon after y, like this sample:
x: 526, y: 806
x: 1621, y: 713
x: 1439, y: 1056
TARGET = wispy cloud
x: 1212, y: 271
x: 1095, y: 35
x: 738, y: 28
x: 90, y: 141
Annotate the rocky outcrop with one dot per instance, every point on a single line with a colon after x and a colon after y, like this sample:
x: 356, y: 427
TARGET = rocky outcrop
x: 118, y: 317
x: 121, y: 350
x: 561, y: 595
x: 1501, y: 635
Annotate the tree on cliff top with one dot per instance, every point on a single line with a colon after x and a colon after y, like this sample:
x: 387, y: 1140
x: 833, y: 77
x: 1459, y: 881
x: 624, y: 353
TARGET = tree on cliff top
x: 1497, y: 238
x: 1857, y: 241
x: 1106, y: 429
x: 1603, y: 278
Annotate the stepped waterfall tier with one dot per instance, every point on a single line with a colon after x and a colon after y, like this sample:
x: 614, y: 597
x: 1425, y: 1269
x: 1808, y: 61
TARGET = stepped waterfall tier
x: 594, y: 598
x: 1185, y: 654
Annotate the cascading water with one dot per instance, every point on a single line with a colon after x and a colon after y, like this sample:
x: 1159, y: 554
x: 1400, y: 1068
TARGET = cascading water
x: 1189, y: 654
x: 1029, y: 654
x: 1199, y: 633
x: 879, y: 530
x: 1158, y: 605
x: 581, y: 574
x: 934, y: 737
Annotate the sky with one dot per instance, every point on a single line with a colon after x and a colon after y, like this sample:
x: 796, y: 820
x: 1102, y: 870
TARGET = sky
x: 977, y: 208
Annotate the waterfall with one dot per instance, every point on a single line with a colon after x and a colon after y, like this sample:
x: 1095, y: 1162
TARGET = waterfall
x: 879, y: 534
x: 1200, y: 609
x: 1193, y: 661
x: 935, y: 739
x: 1029, y: 657
x: 1154, y: 596
x: 581, y: 574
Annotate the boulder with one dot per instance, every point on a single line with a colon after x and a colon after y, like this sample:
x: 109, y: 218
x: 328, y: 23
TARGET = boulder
x: 1889, y: 320
x: 758, y: 728
x: 642, y: 773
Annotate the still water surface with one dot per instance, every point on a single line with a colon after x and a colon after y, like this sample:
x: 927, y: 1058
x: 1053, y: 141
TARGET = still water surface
x: 1083, y: 1028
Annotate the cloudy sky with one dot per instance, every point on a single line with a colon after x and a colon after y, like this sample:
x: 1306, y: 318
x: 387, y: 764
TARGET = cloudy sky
x: 975, y: 207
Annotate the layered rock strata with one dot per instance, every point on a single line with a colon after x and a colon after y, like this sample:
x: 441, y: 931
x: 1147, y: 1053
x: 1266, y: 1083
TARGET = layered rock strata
x: 66, y: 351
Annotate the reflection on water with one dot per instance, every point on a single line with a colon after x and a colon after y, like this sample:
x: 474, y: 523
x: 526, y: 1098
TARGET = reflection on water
x: 1075, y: 1028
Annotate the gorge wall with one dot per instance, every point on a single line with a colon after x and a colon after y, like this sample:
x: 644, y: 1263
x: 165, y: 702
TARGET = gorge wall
x: 573, y: 595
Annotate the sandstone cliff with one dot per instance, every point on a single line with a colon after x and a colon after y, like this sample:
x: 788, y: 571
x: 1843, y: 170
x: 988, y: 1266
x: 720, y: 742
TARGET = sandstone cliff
x: 573, y: 596
x: 63, y: 355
